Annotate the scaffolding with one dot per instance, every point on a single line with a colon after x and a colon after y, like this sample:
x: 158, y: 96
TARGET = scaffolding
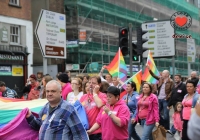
x: 102, y: 19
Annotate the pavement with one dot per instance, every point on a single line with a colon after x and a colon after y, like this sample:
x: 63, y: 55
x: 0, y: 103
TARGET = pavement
x: 139, y: 129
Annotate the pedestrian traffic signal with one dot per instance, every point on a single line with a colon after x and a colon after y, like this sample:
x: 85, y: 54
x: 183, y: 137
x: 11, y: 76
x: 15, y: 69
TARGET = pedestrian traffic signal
x: 136, y: 58
x: 123, y: 40
x: 140, y: 40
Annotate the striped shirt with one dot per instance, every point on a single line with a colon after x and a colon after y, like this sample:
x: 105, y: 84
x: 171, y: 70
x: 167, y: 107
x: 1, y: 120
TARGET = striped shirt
x: 62, y: 123
x: 9, y: 93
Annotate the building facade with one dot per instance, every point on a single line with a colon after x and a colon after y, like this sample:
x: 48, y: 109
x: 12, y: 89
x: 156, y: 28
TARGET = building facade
x: 102, y: 18
x: 16, y: 42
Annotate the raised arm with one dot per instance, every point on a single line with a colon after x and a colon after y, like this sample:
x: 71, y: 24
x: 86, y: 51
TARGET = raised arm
x: 152, y: 74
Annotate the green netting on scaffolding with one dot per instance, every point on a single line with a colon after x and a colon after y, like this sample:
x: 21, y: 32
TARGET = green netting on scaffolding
x: 181, y: 5
x: 102, y: 10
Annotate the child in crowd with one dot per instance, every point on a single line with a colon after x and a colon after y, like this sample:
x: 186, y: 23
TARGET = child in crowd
x: 178, y: 123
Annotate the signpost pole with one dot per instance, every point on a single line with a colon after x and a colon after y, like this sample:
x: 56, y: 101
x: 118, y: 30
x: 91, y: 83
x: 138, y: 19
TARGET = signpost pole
x: 44, y: 65
x: 173, y: 67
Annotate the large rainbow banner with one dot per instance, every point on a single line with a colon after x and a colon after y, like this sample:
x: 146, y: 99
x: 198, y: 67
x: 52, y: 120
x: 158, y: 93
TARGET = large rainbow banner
x: 13, y: 124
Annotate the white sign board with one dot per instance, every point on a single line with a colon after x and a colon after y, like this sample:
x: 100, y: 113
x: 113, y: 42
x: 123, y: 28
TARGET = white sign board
x: 50, y: 32
x: 134, y: 68
x: 191, y: 50
x: 160, y: 40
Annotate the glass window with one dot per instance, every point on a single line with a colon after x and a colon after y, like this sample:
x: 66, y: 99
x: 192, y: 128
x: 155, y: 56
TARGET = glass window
x: 14, y: 2
x: 15, y: 34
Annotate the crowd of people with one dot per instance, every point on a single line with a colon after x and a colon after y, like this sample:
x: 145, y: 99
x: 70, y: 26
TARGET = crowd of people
x: 111, y: 116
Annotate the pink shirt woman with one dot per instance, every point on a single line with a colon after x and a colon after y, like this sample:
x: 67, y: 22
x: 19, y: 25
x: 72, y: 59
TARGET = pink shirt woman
x: 148, y: 111
x: 113, y: 117
x: 187, y: 106
x: 92, y: 102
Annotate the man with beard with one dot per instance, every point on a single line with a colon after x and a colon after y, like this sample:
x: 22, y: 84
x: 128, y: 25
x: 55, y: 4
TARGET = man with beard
x: 178, y: 93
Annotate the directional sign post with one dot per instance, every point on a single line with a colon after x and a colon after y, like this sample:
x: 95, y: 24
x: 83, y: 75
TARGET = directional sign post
x: 160, y: 40
x: 50, y: 32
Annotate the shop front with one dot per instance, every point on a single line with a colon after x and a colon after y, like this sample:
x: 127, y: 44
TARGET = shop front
x: 13, y: 69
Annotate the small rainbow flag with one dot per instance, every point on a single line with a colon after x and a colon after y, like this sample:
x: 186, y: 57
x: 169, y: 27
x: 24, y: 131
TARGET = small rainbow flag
x: 137, y: 78
x: 117, y: 67
x: 147, y: 76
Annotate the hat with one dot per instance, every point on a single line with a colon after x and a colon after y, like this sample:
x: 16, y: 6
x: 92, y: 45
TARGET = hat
x: 113, y: 90
x: 63, y: 78
x: 33, y: 76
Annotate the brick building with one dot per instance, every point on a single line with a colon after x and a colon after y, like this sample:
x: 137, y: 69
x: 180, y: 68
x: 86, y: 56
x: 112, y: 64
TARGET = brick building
x: 16, y: 42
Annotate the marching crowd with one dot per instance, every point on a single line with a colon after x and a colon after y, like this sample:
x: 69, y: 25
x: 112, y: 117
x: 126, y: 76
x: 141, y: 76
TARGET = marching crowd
x: 110, y: 115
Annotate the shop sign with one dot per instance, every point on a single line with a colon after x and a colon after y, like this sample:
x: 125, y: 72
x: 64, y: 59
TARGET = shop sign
x: 17, y: 70
x: 11, y: 57
x: 5, y: 70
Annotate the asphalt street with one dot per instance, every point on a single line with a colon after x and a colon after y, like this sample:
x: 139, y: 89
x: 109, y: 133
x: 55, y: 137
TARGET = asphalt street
x: 169, y: 137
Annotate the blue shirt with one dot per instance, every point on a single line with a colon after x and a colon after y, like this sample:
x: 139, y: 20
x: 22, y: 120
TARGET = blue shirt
x: 132, y: 103
x: 62, y: 123
x: 9, y: 93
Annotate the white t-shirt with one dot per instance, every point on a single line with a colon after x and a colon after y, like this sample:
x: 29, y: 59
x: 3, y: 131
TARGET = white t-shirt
x: 71, y: 98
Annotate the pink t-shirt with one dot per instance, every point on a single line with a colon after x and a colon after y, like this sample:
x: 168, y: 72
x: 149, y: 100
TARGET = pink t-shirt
x: 0, y: 93
x: 110, y: 131
x: 143, y: 105
x: 91, y: 108
x: 187, y: 105
x: 178, y: 123
x: 66, y: 89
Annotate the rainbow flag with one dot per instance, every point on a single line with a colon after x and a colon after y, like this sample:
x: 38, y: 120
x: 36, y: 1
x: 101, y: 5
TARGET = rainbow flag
x: 13, y: 118
x: 117, y: 67
x: 146, y: 75
x: 137, y: 78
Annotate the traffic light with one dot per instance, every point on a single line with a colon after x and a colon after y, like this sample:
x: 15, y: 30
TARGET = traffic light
x: 123, y: 40
x: 140, y: 40
x: 134, y: 48
x: 136, y: 58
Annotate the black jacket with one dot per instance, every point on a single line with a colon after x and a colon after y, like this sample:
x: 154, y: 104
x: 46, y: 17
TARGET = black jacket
x: 178, y: 94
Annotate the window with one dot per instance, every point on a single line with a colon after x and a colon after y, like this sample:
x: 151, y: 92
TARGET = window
x: 14, y: 2
x: 15, y: 34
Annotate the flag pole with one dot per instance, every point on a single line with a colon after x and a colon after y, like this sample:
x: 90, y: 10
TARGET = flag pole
x: 119, y: 61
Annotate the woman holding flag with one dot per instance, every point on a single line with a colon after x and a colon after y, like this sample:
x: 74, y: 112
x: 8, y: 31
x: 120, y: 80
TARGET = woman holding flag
x: 148, y: 111
x: 131, y: 99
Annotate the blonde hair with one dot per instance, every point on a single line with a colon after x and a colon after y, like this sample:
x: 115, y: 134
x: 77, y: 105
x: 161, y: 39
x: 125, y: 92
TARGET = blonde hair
x: 79, y: 83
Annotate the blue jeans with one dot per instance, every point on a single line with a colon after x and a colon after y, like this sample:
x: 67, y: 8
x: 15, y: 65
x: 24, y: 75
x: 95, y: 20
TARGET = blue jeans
x: 147, y: 130
x: 164, y: 121
x: 173, y: 130
x: 131, y: 131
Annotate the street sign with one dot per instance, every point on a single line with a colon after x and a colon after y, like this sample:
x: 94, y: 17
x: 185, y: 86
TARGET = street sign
x: 191, y: 50
x: 50, y: 32
x: 75, y: 66
x: 134, y: 68
x: 160, y: 40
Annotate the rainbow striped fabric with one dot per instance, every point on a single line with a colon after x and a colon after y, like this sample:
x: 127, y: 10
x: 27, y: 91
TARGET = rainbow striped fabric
x: 137, y: 78
x: 146, y: 75
x: 117, y: 67
x: 10, y: 108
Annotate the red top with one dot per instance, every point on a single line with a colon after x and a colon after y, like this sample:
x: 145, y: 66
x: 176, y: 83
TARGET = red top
x: 143, y: 105
x: 34, y: 94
